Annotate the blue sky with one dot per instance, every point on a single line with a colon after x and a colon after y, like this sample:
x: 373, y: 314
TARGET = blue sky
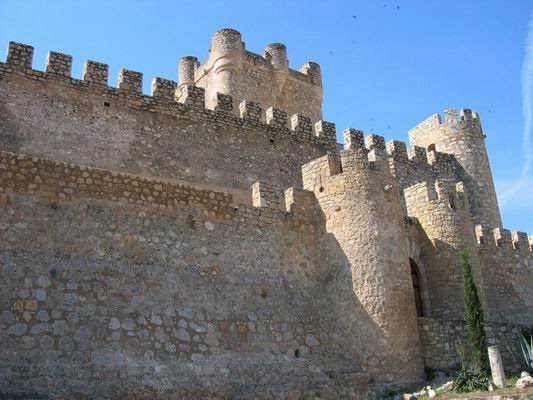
x: 386, y: 65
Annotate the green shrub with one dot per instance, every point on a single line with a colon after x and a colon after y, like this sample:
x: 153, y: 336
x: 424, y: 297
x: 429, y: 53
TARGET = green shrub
x: 512, y: 379
x: 469, y: 380
x: 475, y: 321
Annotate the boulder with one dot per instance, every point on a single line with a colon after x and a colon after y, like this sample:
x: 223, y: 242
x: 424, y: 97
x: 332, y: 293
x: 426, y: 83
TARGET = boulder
x: 526, y: 381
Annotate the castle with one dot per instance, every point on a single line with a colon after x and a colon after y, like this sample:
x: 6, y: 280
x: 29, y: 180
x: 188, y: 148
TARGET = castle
x: 212, y: 239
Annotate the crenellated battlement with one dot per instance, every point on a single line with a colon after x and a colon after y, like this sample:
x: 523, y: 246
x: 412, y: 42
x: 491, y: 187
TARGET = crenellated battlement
x: 361, y: 155
x: 465, y: 120
x: 400, y: 152
x: 503, y: 238
x: 462, y: 135
x: 166, y: 96
x: 292, y: 203
x: 442, y: 193
x: 63, y: 182
x: 233, y: 70
x: 217, y: 216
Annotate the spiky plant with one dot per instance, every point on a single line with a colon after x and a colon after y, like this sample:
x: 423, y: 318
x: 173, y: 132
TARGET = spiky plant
x: 527, y: 350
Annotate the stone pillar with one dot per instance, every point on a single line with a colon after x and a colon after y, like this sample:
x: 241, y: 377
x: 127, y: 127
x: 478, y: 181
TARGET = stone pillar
x: 496, y: 367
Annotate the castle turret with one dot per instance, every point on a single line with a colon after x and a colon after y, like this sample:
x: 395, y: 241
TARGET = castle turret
x: 441, y: 208
x: 226, y: 58
x: 264, y: 79
x: 365, y: 247
x: 277, y: 53
x: 463, y: 137
x: 187, y: 68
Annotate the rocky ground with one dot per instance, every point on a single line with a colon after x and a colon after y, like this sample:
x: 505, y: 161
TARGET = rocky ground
x: 440, y: 387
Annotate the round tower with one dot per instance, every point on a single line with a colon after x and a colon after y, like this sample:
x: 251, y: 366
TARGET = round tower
x: 441, y: 209
x: 365, y: 247
x: 187, y: 69
x: 463, y: 137
x: 225, y: 58
x: 277, y: 54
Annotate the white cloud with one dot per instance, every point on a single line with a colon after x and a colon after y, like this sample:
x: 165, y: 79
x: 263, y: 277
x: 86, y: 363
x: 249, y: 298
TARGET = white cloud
x: 515, y: 194
x: 523, y: 185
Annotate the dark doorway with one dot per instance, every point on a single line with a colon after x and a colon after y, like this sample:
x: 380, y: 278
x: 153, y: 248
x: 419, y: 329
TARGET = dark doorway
x: 415, y: 276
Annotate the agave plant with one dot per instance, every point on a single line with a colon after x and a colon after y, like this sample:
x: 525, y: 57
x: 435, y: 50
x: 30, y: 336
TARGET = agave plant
x: 527, y: 350
x: 470, y: 380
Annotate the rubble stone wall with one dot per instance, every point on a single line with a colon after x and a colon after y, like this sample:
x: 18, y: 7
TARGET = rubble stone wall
x: 102, y: 296
x: 445, y: 343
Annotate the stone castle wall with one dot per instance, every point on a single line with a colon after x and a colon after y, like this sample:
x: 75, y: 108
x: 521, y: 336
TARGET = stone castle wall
x: 502, y: 261
x: 354, y: 193
x: 197, y: 297
x: 446, y: 346
x: 507, y: 270
x: 153, y: 233
x: 87, y: 122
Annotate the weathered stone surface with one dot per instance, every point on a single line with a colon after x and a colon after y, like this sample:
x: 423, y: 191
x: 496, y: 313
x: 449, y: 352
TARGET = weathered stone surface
x: 163, y: 246
x: 524, y: 382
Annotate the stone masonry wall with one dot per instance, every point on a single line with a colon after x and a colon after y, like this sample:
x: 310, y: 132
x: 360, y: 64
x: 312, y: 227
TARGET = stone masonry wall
x: 376, y: 307
x: 441, y: 208
x: 147, y: 246
x: 443, y: 341
x: 463, y: 137
x: 507, y: 268
x: 102, y: 296
x: 87, y: 122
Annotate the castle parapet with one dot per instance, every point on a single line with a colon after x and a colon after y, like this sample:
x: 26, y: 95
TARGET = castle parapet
x: 276, y: 117
x: 130, y: 81
x: 169, y: 98
x: 59, y: 63
x: 224, y: 103
x: 443, y: 194
x: 504, y: 239
x: 266, y: 195
x: 301, y: 124
x: 95, y: 72
x: 193, y: 96
x: 20, y: 56
x: 250, y: 110
x: 163, y: 88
